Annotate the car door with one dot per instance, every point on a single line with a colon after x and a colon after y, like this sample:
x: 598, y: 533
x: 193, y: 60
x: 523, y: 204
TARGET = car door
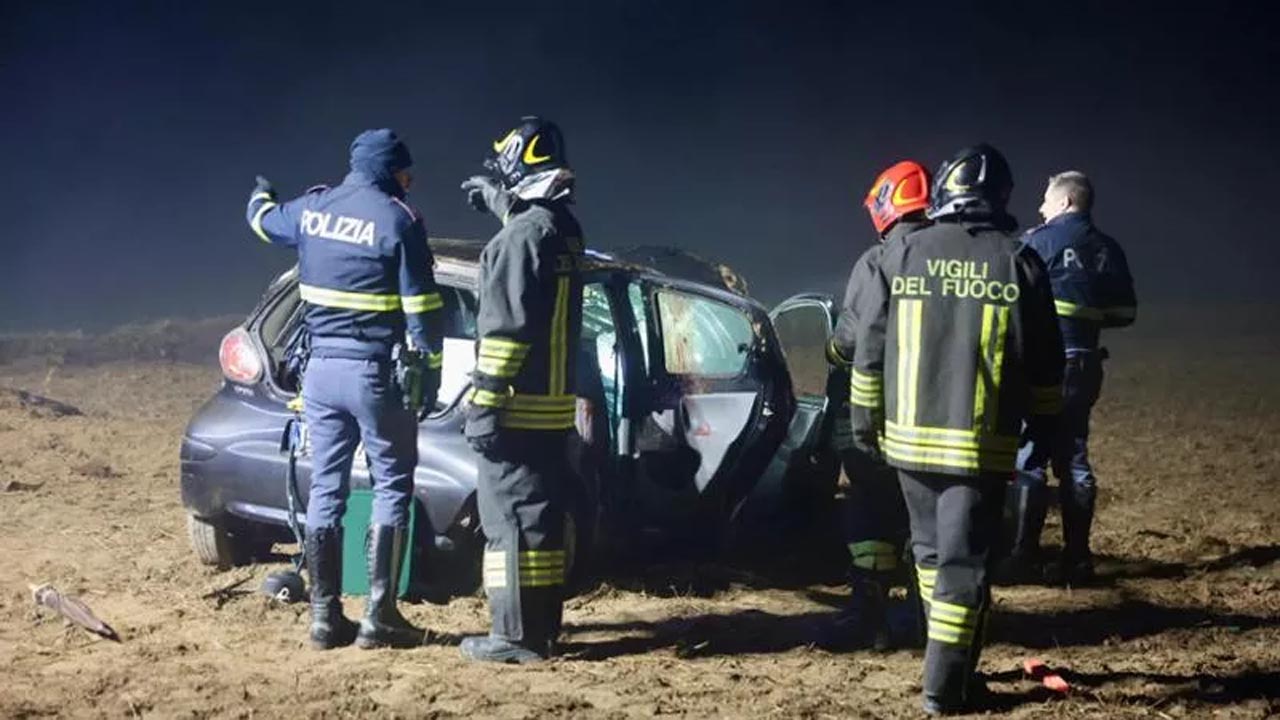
x: 801, y: 477
x: 716, y: 403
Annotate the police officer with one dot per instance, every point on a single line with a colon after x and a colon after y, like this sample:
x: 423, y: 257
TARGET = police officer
x: 956, y: 346
x: 875, y: 517
x: 1092, y: 290
x: 521, y: 408
x: 365, y: 274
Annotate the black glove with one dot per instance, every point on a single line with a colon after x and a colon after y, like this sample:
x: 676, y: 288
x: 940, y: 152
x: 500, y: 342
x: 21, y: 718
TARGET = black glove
x: 430, y: 391
x: 482, y: 431
x: 483, y: 193
x: 264, y: 185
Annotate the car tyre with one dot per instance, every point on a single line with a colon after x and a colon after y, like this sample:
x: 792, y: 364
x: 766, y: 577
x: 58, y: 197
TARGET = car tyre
x: 213, y: 543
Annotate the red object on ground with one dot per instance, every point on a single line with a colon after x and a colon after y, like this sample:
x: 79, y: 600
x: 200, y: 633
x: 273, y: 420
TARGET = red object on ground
x: 1037, y: 670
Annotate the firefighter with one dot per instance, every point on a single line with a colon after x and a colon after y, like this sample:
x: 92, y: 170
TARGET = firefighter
x: 522, y: 406
x: 365, y: 276
x: 956, y: 346
x: 875, y: 519
x: 1092, y: 290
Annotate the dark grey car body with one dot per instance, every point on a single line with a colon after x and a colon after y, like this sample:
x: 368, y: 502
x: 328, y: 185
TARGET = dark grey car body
x: 701, y: 431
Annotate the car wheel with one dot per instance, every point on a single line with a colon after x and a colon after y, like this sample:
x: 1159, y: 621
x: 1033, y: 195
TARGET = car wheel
x: 213, y: 544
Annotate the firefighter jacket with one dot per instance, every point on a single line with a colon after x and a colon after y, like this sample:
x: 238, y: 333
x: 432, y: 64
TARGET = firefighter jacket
x: 530, y: 318
x: 1092, y: 287
x: 364, y: 268
x: 840, y: 352
x: 956, y: 346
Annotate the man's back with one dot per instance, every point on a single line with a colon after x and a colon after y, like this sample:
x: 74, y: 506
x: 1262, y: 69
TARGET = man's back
x: 959, y: 331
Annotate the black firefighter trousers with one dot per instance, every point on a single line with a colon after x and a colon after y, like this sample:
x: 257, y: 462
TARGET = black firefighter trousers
x: 521, y: 497
x: 955, y: 526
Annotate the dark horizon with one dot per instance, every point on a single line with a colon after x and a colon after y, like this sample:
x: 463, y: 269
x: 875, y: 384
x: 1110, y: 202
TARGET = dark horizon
x: 747, y: 132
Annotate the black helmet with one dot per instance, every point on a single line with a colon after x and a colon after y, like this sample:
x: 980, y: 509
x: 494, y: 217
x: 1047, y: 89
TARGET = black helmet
x: 532, y: 147
x: 975, y: 181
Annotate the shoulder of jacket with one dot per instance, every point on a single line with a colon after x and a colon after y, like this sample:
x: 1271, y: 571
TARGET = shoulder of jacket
x: 404, y: 210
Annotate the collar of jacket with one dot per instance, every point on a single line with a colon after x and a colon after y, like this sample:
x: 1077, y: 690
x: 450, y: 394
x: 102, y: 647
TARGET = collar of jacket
x: 387, y: 185
x: 1073, y: 217
x: 973, y: 222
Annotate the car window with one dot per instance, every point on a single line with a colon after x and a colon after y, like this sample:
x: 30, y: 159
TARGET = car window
x: 701, y: 336
x: 459, y: 313
x: 635, y: 296
x: 599, y: 370
x: 803, y: 332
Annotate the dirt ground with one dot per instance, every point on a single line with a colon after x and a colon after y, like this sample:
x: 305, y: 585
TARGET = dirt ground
x: 1185, y: 621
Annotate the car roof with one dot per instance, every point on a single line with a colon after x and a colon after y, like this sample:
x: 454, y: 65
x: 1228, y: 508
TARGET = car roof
x: 460, y: 257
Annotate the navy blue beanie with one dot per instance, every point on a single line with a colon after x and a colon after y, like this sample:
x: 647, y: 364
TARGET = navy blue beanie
x: 379, y: 153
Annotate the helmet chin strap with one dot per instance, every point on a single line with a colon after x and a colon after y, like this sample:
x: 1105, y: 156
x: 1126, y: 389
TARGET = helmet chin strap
x: 552, y: 184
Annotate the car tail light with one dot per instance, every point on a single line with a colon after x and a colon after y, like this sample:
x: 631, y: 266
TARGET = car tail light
x: 239, y: 358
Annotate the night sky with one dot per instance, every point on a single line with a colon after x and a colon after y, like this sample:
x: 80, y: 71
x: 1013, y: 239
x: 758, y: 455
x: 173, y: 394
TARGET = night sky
x: 131, y: 132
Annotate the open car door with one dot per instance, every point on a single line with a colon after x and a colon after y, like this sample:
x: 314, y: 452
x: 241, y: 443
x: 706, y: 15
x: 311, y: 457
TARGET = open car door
x: 716, y: 405
x: 800, y: 480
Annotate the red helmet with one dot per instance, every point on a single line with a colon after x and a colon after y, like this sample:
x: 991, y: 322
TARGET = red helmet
x: 901, y: 189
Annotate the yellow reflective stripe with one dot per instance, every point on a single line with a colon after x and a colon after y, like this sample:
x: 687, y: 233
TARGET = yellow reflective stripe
x: 865, y: 390
x: 370, y: 302
x: 986, y: 384
x: 950, y: 438
x: 487, y: 398
x: 559, y: 350
x: 261, y: 195
x: 949, y: 635
x: 1046, y: 399
x: 962, y: 459
x: 542, y: 568
x: 500, y: 347
x: 874, y: 555
x: 1071, y: 310
x: 503, y: 368
x: 421, y: 303
x: 543, y: 403
x: 910, y: 314
x: 523, y: 421
x: 256, y: 222
x: 953, y: 614
x: 435, y: 361
x: 495, y: 569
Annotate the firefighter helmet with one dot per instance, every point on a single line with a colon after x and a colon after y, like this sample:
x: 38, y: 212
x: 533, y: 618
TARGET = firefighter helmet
x: 530, y: 159
x: 975, y: 181
x: 902, y: 189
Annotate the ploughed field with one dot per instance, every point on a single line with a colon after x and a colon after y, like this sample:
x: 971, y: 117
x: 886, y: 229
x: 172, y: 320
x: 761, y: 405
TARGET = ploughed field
x: 1185, y: 621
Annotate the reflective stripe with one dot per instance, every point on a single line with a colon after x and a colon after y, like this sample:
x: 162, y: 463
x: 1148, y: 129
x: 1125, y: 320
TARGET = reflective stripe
x: 501, y: 357
x: 369, y: 302
x: 951, y: 623
x: 1046, y: 400
x: 944, y: 457
x: 865, y: 390
x: 260, y: 195
x: 421, y: 303
x: 541, y: 568
x: 910, y: 314
x: 926, y: 578
x: 874, y: 555
x: 559, y: 350
x: 495, y: 569
x: 435, y: 361
x: 256, y: 222
x: 539, y: 412
x: 950, y: 438
x: 986, y: 384
x: 1071, y: 310
x: 486, y: 398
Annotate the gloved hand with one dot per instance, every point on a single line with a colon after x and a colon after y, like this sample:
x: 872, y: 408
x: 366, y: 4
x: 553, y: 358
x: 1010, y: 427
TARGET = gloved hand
x: 1039, y: 432
x: 482, y: 431
x: 483, y: 193
x: 430, y: 391
x: 419, y: 382
x: 263, y: 185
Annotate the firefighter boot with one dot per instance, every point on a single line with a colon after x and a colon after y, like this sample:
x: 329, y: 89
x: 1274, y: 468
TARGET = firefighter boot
x: 1077, y: 520
x: 329, y: 627
x: 383, y: 626
x: 540, y: 612
x: 863, y: 623
x: 1030, y: 504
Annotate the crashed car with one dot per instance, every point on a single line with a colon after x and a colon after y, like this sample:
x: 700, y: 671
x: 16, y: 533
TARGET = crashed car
x: 701, y: 419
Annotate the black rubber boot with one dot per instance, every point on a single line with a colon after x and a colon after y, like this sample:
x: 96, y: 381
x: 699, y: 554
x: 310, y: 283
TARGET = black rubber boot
x: 487, y: 648
x: 1077, y: 521
x: 863, y: 623
x: 1025, y: 563
x: 383, y: 626
x: 329, y: 627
